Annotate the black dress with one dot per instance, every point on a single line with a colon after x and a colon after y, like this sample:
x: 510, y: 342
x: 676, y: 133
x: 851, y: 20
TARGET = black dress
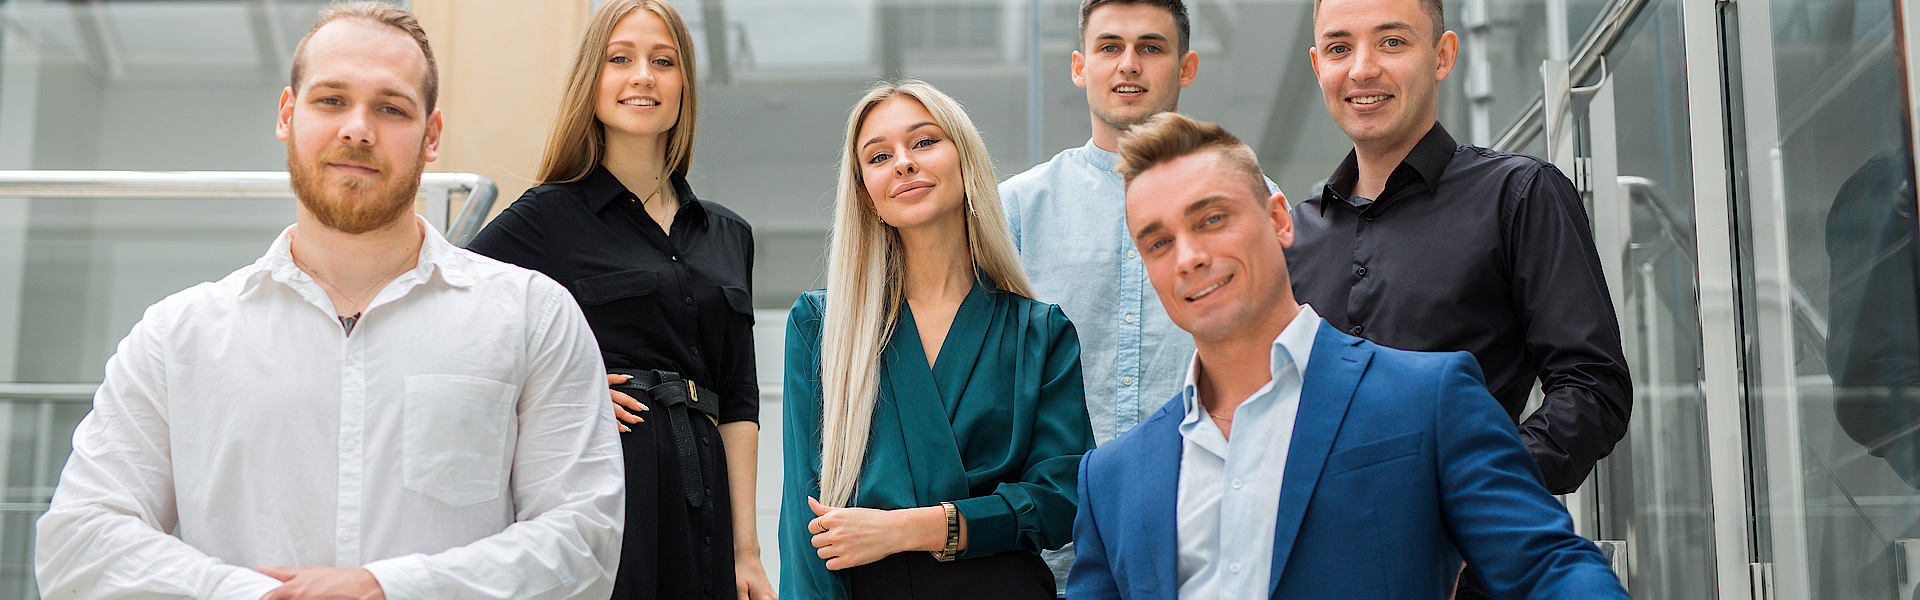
x: 680, y: 303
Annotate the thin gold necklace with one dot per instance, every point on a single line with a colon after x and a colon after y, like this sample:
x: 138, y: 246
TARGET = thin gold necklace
x: 1210, y: 414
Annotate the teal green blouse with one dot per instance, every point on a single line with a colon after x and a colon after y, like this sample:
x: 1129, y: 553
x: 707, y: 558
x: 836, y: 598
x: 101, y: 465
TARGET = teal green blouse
x: 996, y: 426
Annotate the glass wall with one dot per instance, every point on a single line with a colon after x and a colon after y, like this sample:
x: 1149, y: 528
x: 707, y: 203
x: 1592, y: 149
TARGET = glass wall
x: 1652, y: 492
x: 1829, y: 217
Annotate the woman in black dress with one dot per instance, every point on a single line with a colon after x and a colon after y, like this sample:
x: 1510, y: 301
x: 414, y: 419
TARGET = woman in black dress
x: 666, y: 282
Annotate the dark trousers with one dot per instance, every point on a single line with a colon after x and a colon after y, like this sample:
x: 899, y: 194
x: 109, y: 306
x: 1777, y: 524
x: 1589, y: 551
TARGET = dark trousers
x: 672, y: 549
x: 1011, y: 575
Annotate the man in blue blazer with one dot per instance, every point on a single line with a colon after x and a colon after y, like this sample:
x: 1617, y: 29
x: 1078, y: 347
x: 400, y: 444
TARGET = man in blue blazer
x: 1299, y: 461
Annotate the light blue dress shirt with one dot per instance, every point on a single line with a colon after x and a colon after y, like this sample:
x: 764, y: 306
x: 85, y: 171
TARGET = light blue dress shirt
x: 1069, y: 218
x: 1230, y: 487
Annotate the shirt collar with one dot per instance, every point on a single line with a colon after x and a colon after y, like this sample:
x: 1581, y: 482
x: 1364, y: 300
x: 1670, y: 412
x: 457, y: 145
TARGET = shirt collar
x: 1100, y: 159
x: 602, y: 188
x: 436, y: 255
x: 1294, y: 346
x: 1428, y: 160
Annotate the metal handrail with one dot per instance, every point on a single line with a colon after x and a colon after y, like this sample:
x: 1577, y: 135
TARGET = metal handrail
x: 480, y: 191
x: 49, y: 392
x: 1610, y: 27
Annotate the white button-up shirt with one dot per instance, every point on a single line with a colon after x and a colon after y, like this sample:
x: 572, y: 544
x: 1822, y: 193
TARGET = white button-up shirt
x: 458, y: 444
x: 1229, y: 497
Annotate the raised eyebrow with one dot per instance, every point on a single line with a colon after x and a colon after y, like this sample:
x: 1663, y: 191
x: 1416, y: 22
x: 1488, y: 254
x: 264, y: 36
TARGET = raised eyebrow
x: 1204, y: 203
x: 916, y: 127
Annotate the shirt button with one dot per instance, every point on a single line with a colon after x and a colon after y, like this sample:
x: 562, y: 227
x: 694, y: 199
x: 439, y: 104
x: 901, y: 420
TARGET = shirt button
x: 1368, y: 217
x: 1362, y: 272
x: 1129, y: 318
x: 1234, y: 567
x: 1355, y: 330
x: 696, y: 351
x: 674, y: 258
x: 1126, y: 381
x: 689, y: 300
x: 1131, y: 253
x: 1236, y: 483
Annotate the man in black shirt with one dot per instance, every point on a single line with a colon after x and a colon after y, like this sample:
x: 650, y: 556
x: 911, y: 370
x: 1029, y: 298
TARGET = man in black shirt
x: 1421, y: 243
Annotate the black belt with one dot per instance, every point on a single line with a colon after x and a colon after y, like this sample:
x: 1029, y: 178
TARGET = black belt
x: 668, y: 390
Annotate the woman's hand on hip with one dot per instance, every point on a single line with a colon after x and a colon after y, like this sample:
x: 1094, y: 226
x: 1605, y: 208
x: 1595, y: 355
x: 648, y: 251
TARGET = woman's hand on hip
x: 625, y: 408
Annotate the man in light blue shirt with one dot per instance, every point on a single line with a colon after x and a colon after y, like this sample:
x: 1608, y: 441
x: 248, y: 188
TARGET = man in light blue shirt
x: 1069, y: 219
x: 1069, y: 213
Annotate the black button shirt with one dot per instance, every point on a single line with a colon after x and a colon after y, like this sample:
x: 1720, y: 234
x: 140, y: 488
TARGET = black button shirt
x: 681, y: 303
x: 1487, y: 252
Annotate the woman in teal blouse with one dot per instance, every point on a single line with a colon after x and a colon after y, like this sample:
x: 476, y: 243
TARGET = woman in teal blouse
x: 934, y: 413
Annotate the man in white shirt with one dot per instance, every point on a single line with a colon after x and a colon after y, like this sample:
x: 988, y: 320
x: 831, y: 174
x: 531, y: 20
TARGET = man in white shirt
x: 364, y: 412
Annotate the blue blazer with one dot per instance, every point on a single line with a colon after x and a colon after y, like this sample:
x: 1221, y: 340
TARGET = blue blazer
x: 1401, y: 462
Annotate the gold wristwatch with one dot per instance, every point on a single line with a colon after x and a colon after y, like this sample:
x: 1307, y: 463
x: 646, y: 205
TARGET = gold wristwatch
x: 952, y: 551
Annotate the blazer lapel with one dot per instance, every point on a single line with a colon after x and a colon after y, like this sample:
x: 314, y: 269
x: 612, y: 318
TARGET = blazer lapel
x: 1325, y: 392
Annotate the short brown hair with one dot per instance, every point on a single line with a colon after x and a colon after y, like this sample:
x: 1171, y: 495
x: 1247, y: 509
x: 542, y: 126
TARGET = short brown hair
x: 1170, y: 136
x: 380, y: 13
x: 1176, y: 7
x: 1435, y: 10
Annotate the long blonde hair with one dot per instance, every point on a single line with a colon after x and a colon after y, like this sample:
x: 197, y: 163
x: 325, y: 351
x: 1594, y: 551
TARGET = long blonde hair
x: 865, y: 269
x: 579, y: 140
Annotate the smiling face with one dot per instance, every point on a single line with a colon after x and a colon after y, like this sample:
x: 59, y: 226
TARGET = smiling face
x: 909, y: 168
x: 1213, y: 249
x: 363, y: 132
x: 1131, y: 66
x: 641, y: 80
x: 1380, y: 63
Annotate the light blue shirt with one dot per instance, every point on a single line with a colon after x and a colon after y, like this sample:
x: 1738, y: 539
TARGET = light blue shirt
x: 1230, y: 488
x: 1069, y: 218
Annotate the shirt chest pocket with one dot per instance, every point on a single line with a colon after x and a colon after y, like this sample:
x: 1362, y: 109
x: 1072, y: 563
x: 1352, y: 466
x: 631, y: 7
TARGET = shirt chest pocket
x: 601, y: 289
x: 458, y: 435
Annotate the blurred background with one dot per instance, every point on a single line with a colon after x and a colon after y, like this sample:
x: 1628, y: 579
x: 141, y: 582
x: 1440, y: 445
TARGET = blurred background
x: 1747, y: 166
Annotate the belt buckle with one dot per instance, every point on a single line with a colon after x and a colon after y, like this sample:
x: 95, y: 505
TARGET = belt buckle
x: 693, y: 396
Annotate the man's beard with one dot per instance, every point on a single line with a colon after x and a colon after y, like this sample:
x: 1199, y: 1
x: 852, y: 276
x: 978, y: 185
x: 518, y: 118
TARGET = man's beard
x: 350, y: 204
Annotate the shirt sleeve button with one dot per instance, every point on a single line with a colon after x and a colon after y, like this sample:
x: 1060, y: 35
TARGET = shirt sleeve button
x: 1356, y: 330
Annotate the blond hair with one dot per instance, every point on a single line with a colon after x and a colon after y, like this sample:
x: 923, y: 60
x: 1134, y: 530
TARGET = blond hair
x: 579, y: 141
x: 1170, y: 136
x: 383, y: 14
x: 865, y: 271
